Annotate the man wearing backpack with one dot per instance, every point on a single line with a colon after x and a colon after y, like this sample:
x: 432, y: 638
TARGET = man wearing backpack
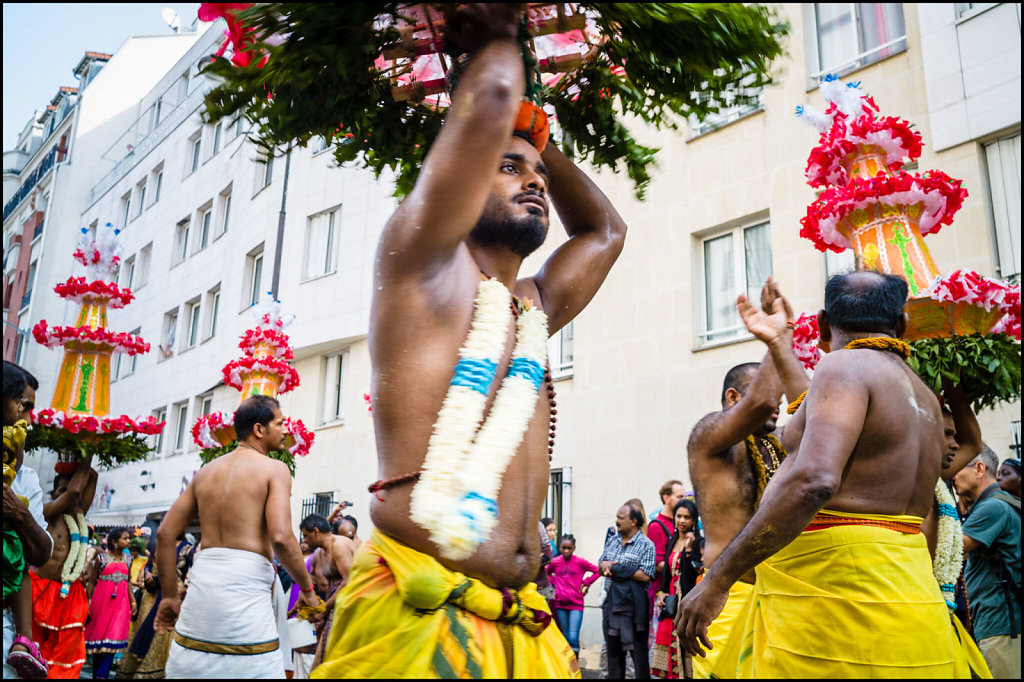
x: 993, y: 575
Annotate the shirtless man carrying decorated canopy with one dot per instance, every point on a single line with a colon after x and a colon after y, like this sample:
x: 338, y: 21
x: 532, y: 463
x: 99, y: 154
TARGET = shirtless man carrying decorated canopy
x: 442, y: 587
x: 846, y: 591
x: 226, y: 627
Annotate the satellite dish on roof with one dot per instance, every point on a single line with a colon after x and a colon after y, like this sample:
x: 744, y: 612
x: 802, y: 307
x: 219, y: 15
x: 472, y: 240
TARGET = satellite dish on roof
x: 171, y: 18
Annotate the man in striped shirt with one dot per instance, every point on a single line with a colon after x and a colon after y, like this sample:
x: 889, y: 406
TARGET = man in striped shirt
x: 627, y: 564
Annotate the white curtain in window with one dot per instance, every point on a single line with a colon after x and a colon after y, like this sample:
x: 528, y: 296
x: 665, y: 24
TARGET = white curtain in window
x: 880, y: 22
x: 719, y: 284
x: 757, y: 250
x: 837, y: 39
x: 1003, y: 159
x: 319, y: 242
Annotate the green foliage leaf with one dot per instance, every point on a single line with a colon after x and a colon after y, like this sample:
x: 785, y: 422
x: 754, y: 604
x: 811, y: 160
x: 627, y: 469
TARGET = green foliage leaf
x: 109, y: 450
x: 680, y: 60
x: 987, y: 366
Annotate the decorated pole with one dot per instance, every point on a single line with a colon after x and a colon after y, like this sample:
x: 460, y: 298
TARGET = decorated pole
x: 78, y: 422
x: 961, y: 327
x: 262, y: 370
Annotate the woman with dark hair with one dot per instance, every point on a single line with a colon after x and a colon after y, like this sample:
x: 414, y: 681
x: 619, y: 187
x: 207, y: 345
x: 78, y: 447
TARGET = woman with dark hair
x: 1008, y: 476
x: 683, y: 564
x: 111, y: 603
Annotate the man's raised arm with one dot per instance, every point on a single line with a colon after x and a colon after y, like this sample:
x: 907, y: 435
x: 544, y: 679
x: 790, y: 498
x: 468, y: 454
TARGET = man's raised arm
x: 968, y: 433
x: 574, y: 272
x: 67, y: 501
x: 719, y: 431
x: 836, y: 406
x: 457, y: 174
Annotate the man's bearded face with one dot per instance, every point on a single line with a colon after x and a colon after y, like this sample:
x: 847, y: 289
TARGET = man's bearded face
x: 516, y: 214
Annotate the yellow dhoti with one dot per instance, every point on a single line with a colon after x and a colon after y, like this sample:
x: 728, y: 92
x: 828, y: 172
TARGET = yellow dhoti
x: 852, y: 596
x: 723, y: 629
x: 404, y: 615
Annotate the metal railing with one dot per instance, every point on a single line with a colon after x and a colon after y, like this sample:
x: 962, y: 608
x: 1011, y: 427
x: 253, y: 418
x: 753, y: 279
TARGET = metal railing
x: 31, y: 180
x: 320, y: 503
x: 148, y: 143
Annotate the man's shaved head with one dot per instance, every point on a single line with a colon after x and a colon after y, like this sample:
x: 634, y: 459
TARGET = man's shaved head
x: 738, y: 378
x: 865, y: 301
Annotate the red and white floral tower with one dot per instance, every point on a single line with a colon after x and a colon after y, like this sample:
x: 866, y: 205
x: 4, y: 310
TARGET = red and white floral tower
x: 263, y: 370
x: 882, y: 213
x: 81, y: 399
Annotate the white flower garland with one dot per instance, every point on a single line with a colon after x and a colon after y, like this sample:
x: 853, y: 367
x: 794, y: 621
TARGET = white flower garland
x: 456, y: 496
x: 949, y: 550
x: 74, y: 564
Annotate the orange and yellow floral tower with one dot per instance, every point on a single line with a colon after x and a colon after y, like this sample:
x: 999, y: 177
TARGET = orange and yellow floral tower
x: 78, y: 421
x: 262, y: 370
x: 871, y: 206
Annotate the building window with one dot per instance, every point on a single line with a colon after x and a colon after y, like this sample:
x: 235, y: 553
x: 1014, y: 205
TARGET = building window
x: 1015, y: 438
x: 212, y: 307
x: 238, y: 125
x: 253, y: 276
x: 849, y: 36
x: 320, y: 145
x: 169, y: 332
x: 157, y: 111
x: 558, y: 504
x: 319, y: 503
x: 157, y: 183
x: 27, y: 297
x: 157, y: 440
x: 194, y: 311
x: 126, y: 205
x: 839, y: 263
x: 334, y: 366
x: 145, y: 256
x: 320, y: 240
x: 266, y: 172
x: 195, y: 142
x: 965, y: 9
x: 180, y: 426
x: 129, y: 361
x: 140, y: 190
x: 181, y: 241
x: 733, y: 262
x: 225, y: 210
x: 128, y: 272
x: 205, y: 226
x: 204, y: 404
x: 1003, y: 160
x: 560, y: 352
x: 183, y: 87
x: 216, y: 139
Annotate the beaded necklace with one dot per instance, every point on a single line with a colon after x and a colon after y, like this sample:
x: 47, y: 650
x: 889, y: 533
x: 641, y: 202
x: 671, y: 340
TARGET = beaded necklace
x: 764, y: 470
x: 897, y: 346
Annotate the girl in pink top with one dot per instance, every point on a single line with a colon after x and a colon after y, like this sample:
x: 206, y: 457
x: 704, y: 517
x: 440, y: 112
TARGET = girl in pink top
x: 566, y: 572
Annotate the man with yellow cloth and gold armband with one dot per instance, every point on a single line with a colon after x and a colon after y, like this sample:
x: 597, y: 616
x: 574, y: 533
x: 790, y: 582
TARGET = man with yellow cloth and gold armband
x: 844, y: 579
x: 458, y: 342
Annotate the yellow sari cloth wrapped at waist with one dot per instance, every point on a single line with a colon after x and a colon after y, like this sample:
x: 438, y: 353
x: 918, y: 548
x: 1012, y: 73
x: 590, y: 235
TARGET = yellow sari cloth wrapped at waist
x: 854, y: 596
x: 404, y: 615
x: 723, y: 629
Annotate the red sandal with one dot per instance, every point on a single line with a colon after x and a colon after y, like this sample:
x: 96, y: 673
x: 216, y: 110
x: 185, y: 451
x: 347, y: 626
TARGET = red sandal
x: 29, y: 664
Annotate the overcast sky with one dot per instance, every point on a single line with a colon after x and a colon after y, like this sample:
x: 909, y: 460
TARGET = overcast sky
x: 44, y: 42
